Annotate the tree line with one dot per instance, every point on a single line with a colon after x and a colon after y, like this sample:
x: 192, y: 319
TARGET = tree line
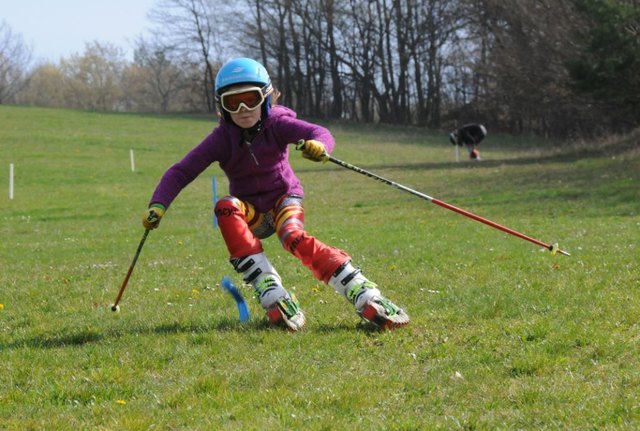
x: 550, y: 67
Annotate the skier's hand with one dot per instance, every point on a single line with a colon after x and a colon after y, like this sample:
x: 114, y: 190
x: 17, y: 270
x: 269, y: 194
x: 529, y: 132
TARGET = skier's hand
x: 152, y: 216
x: 313, y: 150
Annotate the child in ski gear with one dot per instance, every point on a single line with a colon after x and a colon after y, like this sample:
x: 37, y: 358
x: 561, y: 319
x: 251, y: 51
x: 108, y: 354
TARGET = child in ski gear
x: 470, y: 135
x: 251, y: 144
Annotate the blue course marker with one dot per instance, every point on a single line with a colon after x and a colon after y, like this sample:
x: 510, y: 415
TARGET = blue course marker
x: 243, y: 310
x: 214, y: 192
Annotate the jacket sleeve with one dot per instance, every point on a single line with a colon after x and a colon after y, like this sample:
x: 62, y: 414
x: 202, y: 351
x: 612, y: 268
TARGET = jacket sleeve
x: 180, y: 174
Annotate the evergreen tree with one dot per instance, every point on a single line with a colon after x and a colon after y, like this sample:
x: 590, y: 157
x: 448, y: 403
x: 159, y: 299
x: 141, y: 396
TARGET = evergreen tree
x: 608, y: 68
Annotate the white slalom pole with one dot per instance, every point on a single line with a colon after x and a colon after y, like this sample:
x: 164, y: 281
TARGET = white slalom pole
x: 133, y: 164
x: 457, y: 153
x: 11, y: 181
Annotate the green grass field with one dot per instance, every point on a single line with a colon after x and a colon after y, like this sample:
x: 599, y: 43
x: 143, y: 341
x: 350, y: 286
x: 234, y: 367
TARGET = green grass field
x: 504, y: 335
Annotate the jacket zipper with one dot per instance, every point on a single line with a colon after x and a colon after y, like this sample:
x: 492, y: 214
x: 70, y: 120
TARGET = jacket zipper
x: 251, y: 152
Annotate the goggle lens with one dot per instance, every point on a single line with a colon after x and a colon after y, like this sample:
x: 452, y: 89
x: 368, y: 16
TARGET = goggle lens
x: 233, y: 101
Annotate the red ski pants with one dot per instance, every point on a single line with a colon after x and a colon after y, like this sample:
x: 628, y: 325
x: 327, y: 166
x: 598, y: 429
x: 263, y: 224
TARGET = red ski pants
x: 242, y: 229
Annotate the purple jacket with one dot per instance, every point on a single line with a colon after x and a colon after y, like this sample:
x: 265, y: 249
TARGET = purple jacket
x: 259, y: 178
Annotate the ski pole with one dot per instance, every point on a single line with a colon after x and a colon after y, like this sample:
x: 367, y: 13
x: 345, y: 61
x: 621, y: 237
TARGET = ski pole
x: 551, y: 247
x: 115, y: 306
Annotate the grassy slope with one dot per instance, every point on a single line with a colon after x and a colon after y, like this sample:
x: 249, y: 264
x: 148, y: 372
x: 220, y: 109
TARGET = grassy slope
x: 503, y: 335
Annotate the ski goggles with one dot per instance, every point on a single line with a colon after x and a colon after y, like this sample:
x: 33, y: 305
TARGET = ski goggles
x: 250, y: 98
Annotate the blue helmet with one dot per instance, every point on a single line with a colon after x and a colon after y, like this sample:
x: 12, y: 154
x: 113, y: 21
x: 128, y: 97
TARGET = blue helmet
x: 243, y: 71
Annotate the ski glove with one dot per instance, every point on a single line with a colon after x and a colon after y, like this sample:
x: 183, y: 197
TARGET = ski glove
x: 313, y: 150
x: 152, y: 216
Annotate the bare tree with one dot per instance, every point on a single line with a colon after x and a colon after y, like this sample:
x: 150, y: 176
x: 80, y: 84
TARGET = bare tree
x: 329, y: 8
x: 92, y: 80
x: 156, y: 78
x: 360, y: 40
x: 522, y: 66
x: 527, y: 45
x: 44, y: 88
x: 15, y: 59
x: 287, y: 36
x: 384, y: 56
x: 190, y: 28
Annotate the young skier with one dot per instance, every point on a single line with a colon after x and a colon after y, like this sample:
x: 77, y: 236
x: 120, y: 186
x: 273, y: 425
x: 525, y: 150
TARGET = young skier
x: 251, y: 144
x: 470, y: 135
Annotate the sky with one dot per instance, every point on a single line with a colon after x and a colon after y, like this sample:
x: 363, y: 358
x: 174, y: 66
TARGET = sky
x: 61, y: 28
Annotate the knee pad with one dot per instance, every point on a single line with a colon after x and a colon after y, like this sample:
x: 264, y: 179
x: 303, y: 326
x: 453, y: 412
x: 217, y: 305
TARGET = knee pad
x: 289, y: 222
